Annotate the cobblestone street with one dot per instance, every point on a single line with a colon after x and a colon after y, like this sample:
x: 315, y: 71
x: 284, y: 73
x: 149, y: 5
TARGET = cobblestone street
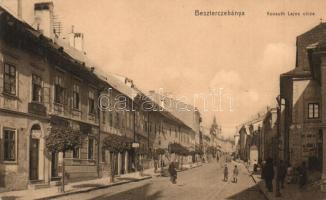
x: 205, y: 182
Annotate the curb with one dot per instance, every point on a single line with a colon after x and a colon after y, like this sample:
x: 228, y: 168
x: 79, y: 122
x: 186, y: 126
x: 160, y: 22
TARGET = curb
x: 93, y: 189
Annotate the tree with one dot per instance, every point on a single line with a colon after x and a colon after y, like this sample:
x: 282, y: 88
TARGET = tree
x: 116, y: 144
x: 61, y: 140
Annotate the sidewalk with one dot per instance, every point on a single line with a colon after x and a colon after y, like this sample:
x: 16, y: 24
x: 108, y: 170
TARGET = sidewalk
x: 83, y: 186
x: 291, y: 191
x: 77, y: 187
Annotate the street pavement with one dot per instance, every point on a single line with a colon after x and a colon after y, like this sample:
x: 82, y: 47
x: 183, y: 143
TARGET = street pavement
x: 205, y: 182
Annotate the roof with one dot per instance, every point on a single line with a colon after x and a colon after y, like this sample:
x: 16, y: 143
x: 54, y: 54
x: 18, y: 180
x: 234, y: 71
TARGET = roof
x: 321, y: 25
x: 116, y: 83
x: 11, y: 22
x: 297, y: 73
x: 186, y: 115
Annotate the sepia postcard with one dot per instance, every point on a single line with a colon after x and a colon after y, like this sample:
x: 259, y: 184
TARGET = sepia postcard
x: 162, y: 99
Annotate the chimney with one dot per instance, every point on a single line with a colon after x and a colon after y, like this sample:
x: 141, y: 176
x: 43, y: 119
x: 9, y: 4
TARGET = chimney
x: 43, y: 15
x: 19, y: 9
x: 76, y: 40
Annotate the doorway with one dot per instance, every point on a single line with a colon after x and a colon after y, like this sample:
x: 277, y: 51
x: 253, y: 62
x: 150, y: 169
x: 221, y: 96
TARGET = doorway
x: 36, y: 154
x: 34, y: 159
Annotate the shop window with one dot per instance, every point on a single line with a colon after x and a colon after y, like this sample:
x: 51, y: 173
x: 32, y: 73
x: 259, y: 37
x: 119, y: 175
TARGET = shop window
x: 75, y: 153
x: 9, y: 137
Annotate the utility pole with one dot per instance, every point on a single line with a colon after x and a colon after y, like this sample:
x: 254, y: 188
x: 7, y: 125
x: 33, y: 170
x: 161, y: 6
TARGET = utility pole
x: 279, y: 105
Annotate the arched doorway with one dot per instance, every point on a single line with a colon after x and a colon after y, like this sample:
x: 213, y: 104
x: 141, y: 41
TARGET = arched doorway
x: 36, y: 156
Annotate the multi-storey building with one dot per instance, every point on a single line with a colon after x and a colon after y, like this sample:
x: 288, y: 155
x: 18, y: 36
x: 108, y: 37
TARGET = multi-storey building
x: 302, y: 105
x: 42, y: 87
x: 45, y: 84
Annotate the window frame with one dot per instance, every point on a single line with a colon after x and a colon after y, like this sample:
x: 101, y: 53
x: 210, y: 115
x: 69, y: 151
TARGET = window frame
x: 40, y: 100
x: 76, y: 91
x: 58, y: 85
x: 88, y: 149
x: 10, y: 82
x: 78, y: 153
x: 15, y: 145
x: 315, y: 105
x: 91, y: 100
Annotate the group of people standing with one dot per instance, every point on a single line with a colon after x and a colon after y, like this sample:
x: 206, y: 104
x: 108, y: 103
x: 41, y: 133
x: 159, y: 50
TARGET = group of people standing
x: 235, y: 173
x: 282, y: 171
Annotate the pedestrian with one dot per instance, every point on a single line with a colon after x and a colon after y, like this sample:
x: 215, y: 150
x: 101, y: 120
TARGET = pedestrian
x: 235, y: 174
x: 281, y: 173
x: 255, y: 166
x: 268, y: 174
x: 226, y: 173
x: 155, y: 165
x: 173, y: 173
x: 289, y: 174
x: 262, y: 169
x: 302, y: 175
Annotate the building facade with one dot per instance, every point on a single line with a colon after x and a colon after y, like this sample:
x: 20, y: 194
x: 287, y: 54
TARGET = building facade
x: 302, y: 110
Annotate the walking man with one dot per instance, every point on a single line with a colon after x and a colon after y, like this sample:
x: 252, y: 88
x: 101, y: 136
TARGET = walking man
x: 281, y: 173
x: 235, y: 174
x: 268, y: 174
x: 302, y: 175
x: 173, y: 173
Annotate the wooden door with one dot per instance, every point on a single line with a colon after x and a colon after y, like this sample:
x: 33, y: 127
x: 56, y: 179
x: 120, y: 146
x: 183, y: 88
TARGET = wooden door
x: 34, y: 159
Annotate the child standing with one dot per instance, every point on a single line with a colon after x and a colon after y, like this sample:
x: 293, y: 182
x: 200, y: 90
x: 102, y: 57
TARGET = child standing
x: 235, y: 174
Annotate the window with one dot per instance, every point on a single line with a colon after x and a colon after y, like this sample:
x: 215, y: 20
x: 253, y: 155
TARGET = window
x: 90, y: 148
x: 9, y: 136
x: 155, y: 131
x: 75, y: 97
x: 313, y: 111
x: 58, y: 90
x: 103, y: 117
x: 75, y: 153
x: 117, y: 120
x: 103, y: 155
x: 91, y: 103
x: 110, y: 118
x: 36, y: 88
x: 9, y: 79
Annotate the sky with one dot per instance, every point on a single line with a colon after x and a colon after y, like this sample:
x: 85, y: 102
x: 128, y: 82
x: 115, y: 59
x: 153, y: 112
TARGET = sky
x: 162, y: 44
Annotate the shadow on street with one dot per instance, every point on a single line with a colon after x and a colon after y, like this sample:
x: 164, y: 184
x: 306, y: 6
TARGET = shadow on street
x: 249, y: 193
x: 141, y: 192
